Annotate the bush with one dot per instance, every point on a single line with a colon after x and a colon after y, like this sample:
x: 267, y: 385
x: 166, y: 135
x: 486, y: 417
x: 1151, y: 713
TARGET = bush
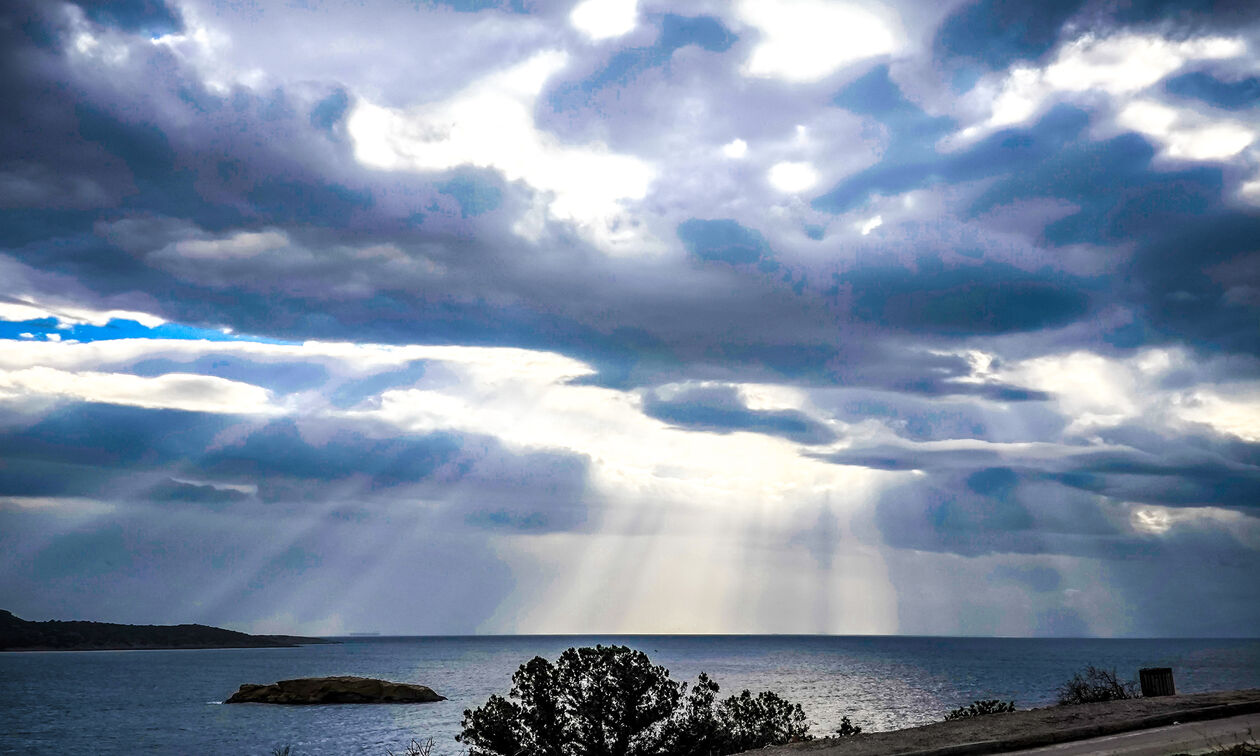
x: 1093, y: 685
x: 981, y: 709
x: 847, y: 728
x: 415, y: 748
x: 612, y: 701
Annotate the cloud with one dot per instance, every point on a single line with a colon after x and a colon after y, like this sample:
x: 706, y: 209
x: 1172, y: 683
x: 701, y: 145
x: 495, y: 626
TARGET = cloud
x: 1120, y: 65
x: 807, y: 40
x: 605, y: 19
x: 1185, y: 135
x: 722, y: 409
x: 792, y: 177
x: 238, y: 330
x: 491, y: 125
x: 193, y: 393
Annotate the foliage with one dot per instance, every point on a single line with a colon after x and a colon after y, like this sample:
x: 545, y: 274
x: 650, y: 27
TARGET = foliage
x: 981, y: 709
x: 847, y: 728
x: 612, y: 701
x: 758, y: 722
x: 1093, y: 685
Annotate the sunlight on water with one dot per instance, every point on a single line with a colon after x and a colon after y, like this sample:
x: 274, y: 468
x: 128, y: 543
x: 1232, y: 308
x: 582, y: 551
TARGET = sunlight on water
x: 167, y: 701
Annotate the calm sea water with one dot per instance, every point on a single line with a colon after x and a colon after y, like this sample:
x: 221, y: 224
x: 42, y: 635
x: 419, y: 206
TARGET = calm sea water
x: 167, y: 702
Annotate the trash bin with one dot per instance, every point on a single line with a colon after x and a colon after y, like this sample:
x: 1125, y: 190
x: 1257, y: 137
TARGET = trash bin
x: 1156, y: 681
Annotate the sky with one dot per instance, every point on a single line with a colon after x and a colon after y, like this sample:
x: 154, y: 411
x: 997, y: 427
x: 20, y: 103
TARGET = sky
x: 632, y: 316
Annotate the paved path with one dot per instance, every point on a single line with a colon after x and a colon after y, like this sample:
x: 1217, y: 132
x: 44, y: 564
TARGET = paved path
x: 1192, y: 737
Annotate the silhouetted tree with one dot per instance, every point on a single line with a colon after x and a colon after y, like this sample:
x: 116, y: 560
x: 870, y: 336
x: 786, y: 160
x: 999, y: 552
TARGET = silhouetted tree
x: 847, y: 729
x: 612, y: 701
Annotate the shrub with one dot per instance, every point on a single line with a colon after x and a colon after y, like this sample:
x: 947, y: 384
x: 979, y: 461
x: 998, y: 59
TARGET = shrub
x: 1092, y: 685
x: 612, y: 701
x: 981, y: 709
x: 847, y: 728
x: 758, y: 722
x: 415, y: 748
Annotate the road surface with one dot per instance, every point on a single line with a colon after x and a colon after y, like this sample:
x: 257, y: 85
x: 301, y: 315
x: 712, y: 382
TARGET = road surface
x: 1193, y: 737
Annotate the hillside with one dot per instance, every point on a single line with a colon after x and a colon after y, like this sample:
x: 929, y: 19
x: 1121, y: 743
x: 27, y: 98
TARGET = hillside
x: 17, y: 634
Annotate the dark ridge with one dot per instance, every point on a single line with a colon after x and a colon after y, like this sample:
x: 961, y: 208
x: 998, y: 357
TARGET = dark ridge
x: 17, y: 634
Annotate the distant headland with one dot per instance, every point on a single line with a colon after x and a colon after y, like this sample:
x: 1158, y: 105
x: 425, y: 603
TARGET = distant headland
x: 17, y: 634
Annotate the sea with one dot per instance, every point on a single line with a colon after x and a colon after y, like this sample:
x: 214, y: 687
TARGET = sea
x: 170, y: 702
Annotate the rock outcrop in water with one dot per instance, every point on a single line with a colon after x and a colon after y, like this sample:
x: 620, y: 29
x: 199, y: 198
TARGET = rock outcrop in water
x: 334, y: 690
x: 17, y: 634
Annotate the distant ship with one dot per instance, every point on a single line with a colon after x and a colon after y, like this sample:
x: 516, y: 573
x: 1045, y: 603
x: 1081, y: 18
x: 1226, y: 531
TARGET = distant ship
x: 363, y: 635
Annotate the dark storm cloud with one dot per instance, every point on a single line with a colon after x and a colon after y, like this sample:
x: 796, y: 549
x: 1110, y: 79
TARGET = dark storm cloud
x: 986, y: 298
x: 720, y: 409
x: 166, y: 456
x: 1177, y: 217
x: 1199, y: 281
x: 154, y: 180
x: 263, y: 161
x: 1172, y: 474
x: 111, y: 437
x: 163, y: 564
x: 279, y: 452
x: 1195, y: 569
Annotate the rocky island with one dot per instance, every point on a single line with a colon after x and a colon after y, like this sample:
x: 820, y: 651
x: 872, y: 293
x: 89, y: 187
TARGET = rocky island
x: 334, y: 690
x: 17, y: 634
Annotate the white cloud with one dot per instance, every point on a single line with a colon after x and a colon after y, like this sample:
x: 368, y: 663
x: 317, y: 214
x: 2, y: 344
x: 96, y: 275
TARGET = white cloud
x: 1149, y: 519
x: 870, y: 224
x: 1130, y: 62
x: 605, y: 19
x: 792, y: 177
x: 21, y: 308
x: 1234, y: 410
x: 182, y: 391
x: 1186, y: 134
x: 491, y: 125
x: 807, y: 40
x: 1120, y: 66
x: 63, y: 505
x: 241, y: 245
x: 735, y: 149
x: 1098, y: 391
